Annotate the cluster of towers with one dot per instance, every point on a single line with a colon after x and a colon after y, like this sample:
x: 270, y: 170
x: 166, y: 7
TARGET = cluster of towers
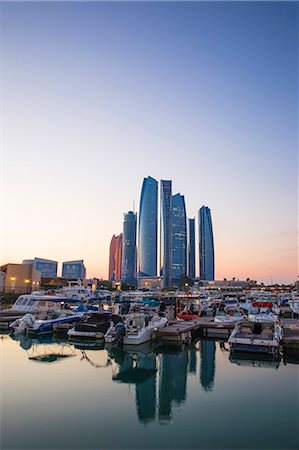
x: 129, y: 262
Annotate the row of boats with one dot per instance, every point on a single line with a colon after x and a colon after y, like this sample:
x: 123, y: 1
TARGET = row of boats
x: 257, y: 327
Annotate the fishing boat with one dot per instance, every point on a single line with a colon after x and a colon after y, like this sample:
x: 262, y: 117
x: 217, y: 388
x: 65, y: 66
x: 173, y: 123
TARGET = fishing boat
x: 91, y: 326
x: 141, y: 326
x: 261, y: 336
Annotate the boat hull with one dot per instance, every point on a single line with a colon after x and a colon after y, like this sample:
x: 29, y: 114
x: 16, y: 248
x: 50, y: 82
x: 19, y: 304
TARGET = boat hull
x: 248, y: 348
x: 84, y: 335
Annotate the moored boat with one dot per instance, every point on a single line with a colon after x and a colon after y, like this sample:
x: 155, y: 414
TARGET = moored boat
x: 141, y: 326
x: 91, y: 326
x: 259, y: 337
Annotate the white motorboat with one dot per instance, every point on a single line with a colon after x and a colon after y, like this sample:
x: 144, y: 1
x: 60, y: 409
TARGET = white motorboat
x: 258, y: 337
x: 141, y: 326
x: 261, y: 311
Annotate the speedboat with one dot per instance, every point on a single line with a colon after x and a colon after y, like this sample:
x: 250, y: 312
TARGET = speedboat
x: 141, y: 326
x: 92, y: 326
x: 29, y: 325
x: 261, y: 336
x: 262, y: 311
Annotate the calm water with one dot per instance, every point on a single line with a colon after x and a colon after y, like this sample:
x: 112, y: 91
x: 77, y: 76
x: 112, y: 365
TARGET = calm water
x: 56, y: 396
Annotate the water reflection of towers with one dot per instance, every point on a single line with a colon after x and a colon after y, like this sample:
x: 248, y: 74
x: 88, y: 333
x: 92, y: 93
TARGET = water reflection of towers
x: 161, y: 380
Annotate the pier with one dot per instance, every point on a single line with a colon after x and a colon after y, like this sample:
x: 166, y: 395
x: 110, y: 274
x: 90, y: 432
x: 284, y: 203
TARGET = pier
x: 179, y: 331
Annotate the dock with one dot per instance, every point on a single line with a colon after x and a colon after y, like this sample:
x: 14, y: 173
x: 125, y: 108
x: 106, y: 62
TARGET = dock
x: 179, y: 331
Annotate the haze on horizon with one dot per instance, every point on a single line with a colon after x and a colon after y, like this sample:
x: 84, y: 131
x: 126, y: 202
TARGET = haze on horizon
x: 97, y: 96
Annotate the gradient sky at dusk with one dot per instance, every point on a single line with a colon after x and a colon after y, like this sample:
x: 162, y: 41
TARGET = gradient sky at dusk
x: 97, y: 96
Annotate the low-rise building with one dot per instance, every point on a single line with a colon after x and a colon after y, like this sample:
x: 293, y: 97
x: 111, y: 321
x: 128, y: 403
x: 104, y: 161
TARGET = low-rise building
x: 47, y: 267
x: 20, y: 278
x: 74, y: 269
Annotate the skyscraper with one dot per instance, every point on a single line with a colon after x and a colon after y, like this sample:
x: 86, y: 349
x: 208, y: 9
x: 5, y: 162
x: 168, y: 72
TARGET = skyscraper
x: 179, y: 237
x: 191, y: 248
x: 115, y: 257
x: 148, y: 228
x: 206, y: 244
x: 128, y: 272
x: 166, y: 232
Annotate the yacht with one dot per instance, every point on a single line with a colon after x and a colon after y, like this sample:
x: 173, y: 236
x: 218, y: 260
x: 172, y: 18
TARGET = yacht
x: 260, y: 337
x: 141, y: 326
x: 29, y: 325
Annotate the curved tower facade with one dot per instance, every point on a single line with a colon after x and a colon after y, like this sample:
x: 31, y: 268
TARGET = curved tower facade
x: 206, y: 245
x: 148, y: 228
x: 166, y: 232
x: 179, y: 237
x: 115, y: 257
x: 128, y: 272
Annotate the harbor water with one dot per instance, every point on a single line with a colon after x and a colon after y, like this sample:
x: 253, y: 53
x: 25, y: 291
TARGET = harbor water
x: 56, y: 395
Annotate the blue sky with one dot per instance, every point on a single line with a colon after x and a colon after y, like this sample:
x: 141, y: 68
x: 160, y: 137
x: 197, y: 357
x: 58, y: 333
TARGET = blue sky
x: 97, y: 96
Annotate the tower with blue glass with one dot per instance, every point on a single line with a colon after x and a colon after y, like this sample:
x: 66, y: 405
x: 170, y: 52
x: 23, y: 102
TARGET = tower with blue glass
x: 128, y: 272
x: 179, y: 237
x: 148, y: 229
x: 206, y: 245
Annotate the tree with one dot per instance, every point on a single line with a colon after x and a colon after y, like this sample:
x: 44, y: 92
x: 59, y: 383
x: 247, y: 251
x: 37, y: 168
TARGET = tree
x: 185, y: 280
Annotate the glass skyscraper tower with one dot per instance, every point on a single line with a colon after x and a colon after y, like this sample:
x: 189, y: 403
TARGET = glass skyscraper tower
x: 166, y: 232
x: 148, y: 229
x: 206, y: 244
x: 179, y: 237
x: 128, y: 271
x: 191, y: 248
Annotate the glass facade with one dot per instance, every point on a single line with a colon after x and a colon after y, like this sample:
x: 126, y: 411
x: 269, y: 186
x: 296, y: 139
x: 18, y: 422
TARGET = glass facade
x: 115, y: 257
x: 179, y: 237
x: 206, y: 245
x: 73, y: 269
x: 166, y: 232
x: 191, y: 248
x: 47, y: 267
x: 128, y: 272
x: 148, y: 228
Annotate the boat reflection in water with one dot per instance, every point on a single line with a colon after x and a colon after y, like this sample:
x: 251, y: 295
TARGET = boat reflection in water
x: 255, y: 360
x: 45, y: 350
